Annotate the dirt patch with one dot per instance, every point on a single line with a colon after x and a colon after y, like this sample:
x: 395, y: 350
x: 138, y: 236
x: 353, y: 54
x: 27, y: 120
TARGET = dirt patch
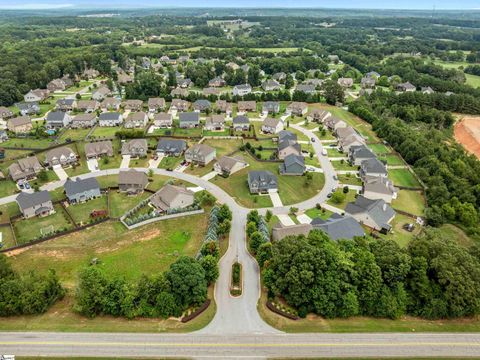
x: 467, y: 133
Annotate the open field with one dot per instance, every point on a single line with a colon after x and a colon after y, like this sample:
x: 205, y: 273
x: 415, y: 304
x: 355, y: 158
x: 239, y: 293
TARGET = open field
x: 467, y: 133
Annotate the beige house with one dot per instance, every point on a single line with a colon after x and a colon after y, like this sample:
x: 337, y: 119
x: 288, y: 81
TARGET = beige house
x: 132, y: 181
x: 20, y: 125
x: 26, y: 168
x: 200, y: 154
x: 245, y: 106
x: 172, y: 197
x: 297, y: 108
x: 98, y: 149
x: 228, y: 165
x: 215, y: 123
x: 288, y: 147
x: 163, y: 120
x: 379, y: 187
x: 272, y: 126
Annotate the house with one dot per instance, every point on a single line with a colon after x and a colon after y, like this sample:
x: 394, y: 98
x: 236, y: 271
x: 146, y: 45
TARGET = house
x: 101, y: 93
x: 365, y: 91
x: 293, y: 165
x: 183, y: 58
x: 110, y: 119
x: 345, y: 143
x: 228, y: 165
x: 172, y: 197
x: 56, y: 85
x: 57, y: 120
x: 28, y: 108
x: 305, y: 88
x: 20, y: 125
x: 215, y: 123
x: 132, y: 181
x: 135, y: 148
x: 333, y: 58
x: 318, y: 115
x: 25, y: 168
x: 200, y: 154
x: 136, y: 120
x: 201, y: 105
x: 90, y: 74
x: 279, y: 76
x: 35, y: 204
x: 133, y: 105
x: 179, y: 92
x: 245, y: 68
x: 82, y: 121
x: 288, y: 147
x: 171, y: 147
x: 358, y: 153
x: 262, y: 181
x: 246, y: 106
x: 184, y: 83
x: 368, y: 82
x: 37, y: 95
x: 314, y: 82
x: 217, y: 82
x: 297, y: 108
x: 272, y: 126
x: 379, y: 187
x: 156, y: 105
x: 179, y: 105
x: 373, y: 167
x: 66, y: 104
x: 61, y: 156
x: 211, y: 91
x: 81, y: 190
x: 280, y: 231
x: 406, y: 87
x: 376, y: 214
x: 163, y: 120
x: 88, y: 106
x: 224, y: 107
x: 3, y: 137
x: 232, y: 66
x: 270, y: 85
x: 124, y: 79
x: 427, y: 90
x: 339, y: 227
x: 286, y: 135
x: 345, y: 82
x: 271, y: 107
x: 241, y: 123
x: 242, y: 90
x: 372, y: 74
x: 110, y: 104
x: 334, y: 123
x: 98, y: 149
x: 189, y: 120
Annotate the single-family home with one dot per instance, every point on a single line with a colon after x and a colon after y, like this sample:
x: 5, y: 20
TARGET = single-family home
x: 297, y: 108
x: 172, y: 197
x: 184, y: 83
x: 344, y: 143
x: 133, y: 105
x: 110, y: 119
x: 339, y: 227
x: 82, y: 121
x: 90, y: 74
x: 228, y: 165
x: 200, y: 154
x: 135, y: 148
x: 242, y: 90
x: 224, y: 107
x: 376, y: 214
x: 88, y: 106
x: 25, y: 168
x: 279, y: 76
x: 56, y: 85
x: 179, y: 92
x: 272, y: 126
x: 189, y: 120
x: 406, y: 87
x: 379, y: 187
x: 35, y: 204
x: 215, y: 123
x: 81, y: 190
x: 318, y: 115
x: 171, y: 147
x: 271, y: 107
x: 28, y: 108
x: 132, y: 181
x: 110, y: 104
x: 179, y: 105
x: 232, y: 66
x: 373, y: 167
x: 66, y: 104
x: 246, y: 106
x: 368, y: 82
x: 163, y: 120
x: 37, y: 95
x: 241, y: 123
x: 280, y: 231
x: 156, y: 105
x: 262, y: 181
x: 358, y: 153
x: 345, y: 82
x: 63, y: 156
x: 333, y: 123
x: 286, y: 135
x: 217, y: 82
x: 427, y: 90
x: 201, y: 105
x: 136, y: 120
x: 57, y: 120
x: 270, y: 85
x: 305, y: 88
x: 5, y: 113
x: 372, y: 74
x: 288, y: 147
x: 211, y: 91
x: 20, y: 125
x: 293, y: 165
x: 101, y: 93
x: 98, y: 149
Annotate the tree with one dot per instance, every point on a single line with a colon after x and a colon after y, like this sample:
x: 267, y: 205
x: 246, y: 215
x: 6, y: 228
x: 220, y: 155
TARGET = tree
x: 251, y: 228
x: 255, y: 240
x: 289, y: 82
x: 42, y: 175
x: 209, y: 264
x: 333, y: 92
x: 338, y: 197
x: 210, y: 248
x: 91, y: 292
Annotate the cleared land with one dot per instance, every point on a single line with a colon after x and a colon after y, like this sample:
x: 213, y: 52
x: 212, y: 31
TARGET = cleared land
x: 467, y: 133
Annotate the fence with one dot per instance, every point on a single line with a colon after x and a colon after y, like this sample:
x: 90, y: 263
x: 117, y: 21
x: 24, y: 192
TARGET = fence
x: 160, y: 218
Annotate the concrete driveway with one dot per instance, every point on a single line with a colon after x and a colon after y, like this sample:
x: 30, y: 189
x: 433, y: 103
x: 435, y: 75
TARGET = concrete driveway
x: 92, y: 164
x: 210, y: 175
x: 304, y: 219
x: 153, y: 164
x: 62, y: 175
x: 276, y: 201
x: 285, y: 220
x: 125, y: 162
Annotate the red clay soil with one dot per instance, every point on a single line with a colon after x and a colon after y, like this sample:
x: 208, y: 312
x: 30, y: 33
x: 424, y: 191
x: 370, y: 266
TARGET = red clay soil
x: 467, y: 133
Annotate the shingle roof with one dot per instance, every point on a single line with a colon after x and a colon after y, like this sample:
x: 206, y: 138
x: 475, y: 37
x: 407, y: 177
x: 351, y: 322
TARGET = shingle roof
x: 132, y: 176
x: 240, y: 120
x: 339, y: 227
x: 77, y: 186
x: 189, y: 117
x: 378, y: 210
x: 109, y: 116
x: 28, y: 200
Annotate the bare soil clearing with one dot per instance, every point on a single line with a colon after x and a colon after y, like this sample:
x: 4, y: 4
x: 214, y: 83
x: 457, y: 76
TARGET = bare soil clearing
x: 467, y: 133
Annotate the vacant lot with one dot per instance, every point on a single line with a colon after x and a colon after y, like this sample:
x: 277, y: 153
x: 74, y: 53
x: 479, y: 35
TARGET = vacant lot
x: 467, y: 133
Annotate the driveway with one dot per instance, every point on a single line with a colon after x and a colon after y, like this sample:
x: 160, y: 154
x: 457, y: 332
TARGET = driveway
x: 304, y: 219
x: 62, y: 175
x: 285, y: 220
x: 276, y: 201
x: 125, y: 162
x: 210, y: 175
x: 92, y: 164
x: 153, y: 164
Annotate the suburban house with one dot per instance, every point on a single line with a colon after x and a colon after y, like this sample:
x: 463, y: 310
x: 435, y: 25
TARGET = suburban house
x: 35, y: 204
x: 82, y: 121
x: 334, y: 123
x: 339, y: 227
x: 286, y: 135
x: 272, y: 126
x: 5, y: 113
x: 136, y: 120
x: 95, y: 150
x: 135, y: 148
x: 242, y: 90
x: 124, y: 79
x: 56, y: 85
x: 57, y: 120
x: 217, y: 82
x: 66, y: 104
x: 228, y: 165
x: 246, y: 106
x: 305, y: 88
x: 262, y: 181
x: 297, y: 108
x: 156, y: 105
x: 133, y: 105
x: 200, y: 154
x: 110, y: 119
x: 344, y: 132
x: 201, y: 105
x: 110, y: 104
x: 368, y: 82
x: 28, y: 108
x: 358, y: 153
x: 20, y: 125
x: 81, y: 190
x: 373, y: 167
x: 25, y: 168
x: 88, y: 106
x: 171, y: 147
x: 90, y: 73
x: 372, y: 74
x: 101, y: 93
x: 179, y: 92
x: 179, y: 105
x: 288, y: 147
x: 163, y: 120
x: 318, y: 115
x: 279, y: 76
x: 280, y: 231
x: 379, y: 187
x: 270, y: 85
x: 189, y: 120
x: 405, y: 87
x: 172, y: 197
x: 61, y: 156
x: 427, y: 90
x: 241, y: 123
x: 224, y: 107
x: 293, y: 165
x: 132, y: 181
x: 376, y: 214
x: 211, y: 91
x: 215, y: 123
x: 37, y: 95
x: 232, y: 66
x: 184, y: 83
x: 271, y: 107
x: 345, y: 82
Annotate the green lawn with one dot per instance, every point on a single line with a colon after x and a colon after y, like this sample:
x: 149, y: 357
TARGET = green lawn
x: 81, y: 212
x: 349, y: 179
x: 349, y: 197
x: 334, y: 152
x: 321, y: 213
x: 379, y: 149
x: 343, y: 165
x: 121, y: 202
x: 7, y: 187
x: 224, y: 147
x: 170, y: 162
x: 193, y: 132
x: 104, y: 132
x: 401, y: 236
x: 226, y: 132
x: 74, y: 134
x: 79, y: 169
x: 411, y: 202
x: 403, y: 177
x: 15, y: 154
x: 473, y: 80
x: 392, y: 159
x: 28, y: 143
x: 7, y: 237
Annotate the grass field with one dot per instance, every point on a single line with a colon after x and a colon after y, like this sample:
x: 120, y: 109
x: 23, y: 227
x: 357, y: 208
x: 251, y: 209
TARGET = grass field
x: 379, y: 149
x: 81, y: 212
x: 170, y: 162
x: 412, y: 202
x: 8, y: 239
x: 74, y: 134
x: 120, y: 202
x: 349, y: 179
x: 321, y: 213
x: 224, y: 147
x: 398, y: 234
x: 403, y: 177
x: 28, y: 143
x: 343, y: 165
x: 7, y: 187
x: 104, y: 132
x: 392, y: 159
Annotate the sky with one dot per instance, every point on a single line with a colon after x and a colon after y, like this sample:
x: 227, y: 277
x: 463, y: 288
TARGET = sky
x: 367, y: 4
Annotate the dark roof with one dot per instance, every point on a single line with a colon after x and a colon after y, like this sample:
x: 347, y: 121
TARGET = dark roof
x: 77, y: 186
x: 189, y: 117
x: 339, y: 227
x: 378, y: 210
x: 56, y: 116
x: 241, y: 119
x: 263, y: 178
x: 362, y: 152
x: 171, y: 145
x: 286, y: 135
x: 373, y: 166
x: 28, y: 200
x: 109, y: 116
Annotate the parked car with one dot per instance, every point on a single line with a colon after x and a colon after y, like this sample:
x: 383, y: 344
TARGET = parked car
x: 312, y: 139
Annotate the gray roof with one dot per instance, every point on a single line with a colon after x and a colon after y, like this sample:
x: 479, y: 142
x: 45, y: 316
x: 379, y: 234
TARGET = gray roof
x: 20, y: 120
x: 226, y: 163
x: 164, y: 197
x: 172, y: 145
x: 286, y: 135
x: 243, y: 87
x: 271, y: 105
x: 305, y: 88
x: 339, y: 227
x: 263, y: 178
x: 378, y: 210
x: 78, y: 186
x: 28, y: 200
x: 362, y: 152
x: 200, y: 150
x: 280, y: 231
x: 270, y: 122
x: 109, y: 116
x: 286, y: 143
x: 379, y: 185
x: 132, y: 176
x: 241, y: 120
x: 189, y: 117
x: 294, y: 159
x: 56, y: 116
x: 373, y: 166
x: 68, y: 102
x: 202, y: 104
